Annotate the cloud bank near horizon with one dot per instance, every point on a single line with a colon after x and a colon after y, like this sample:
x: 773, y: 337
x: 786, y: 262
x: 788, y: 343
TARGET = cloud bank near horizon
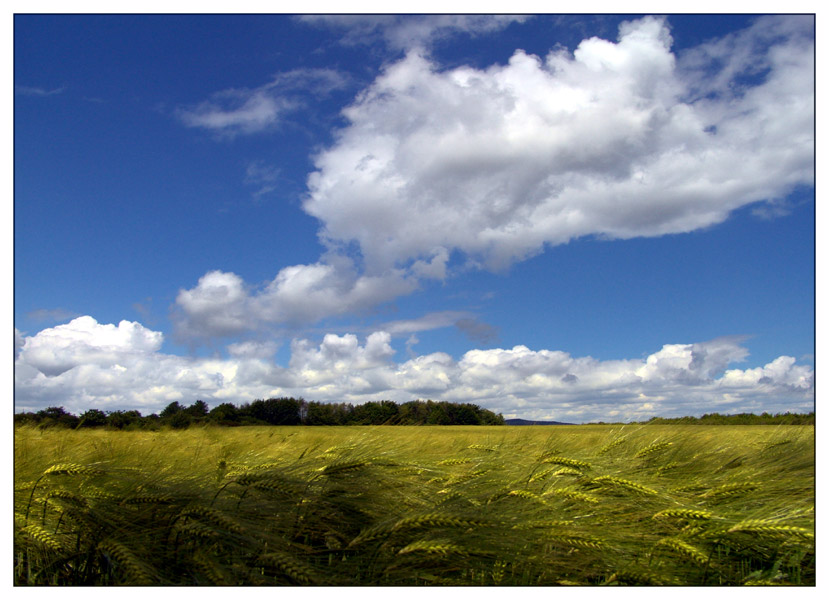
x: 85, y: 364
x: 446, y: 169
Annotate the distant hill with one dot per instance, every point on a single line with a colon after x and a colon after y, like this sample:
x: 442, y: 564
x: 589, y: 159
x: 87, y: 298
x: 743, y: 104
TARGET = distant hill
x: 525, y: 422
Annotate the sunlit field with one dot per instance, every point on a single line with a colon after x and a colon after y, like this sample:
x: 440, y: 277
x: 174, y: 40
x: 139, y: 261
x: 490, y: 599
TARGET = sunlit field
x: 555, y: 505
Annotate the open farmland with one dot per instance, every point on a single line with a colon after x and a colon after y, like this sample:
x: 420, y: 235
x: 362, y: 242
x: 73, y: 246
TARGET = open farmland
x: 564, y: 505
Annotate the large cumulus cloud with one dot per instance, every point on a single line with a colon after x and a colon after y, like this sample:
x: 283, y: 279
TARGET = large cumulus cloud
x: 84, y: 364
x: 618, y: 139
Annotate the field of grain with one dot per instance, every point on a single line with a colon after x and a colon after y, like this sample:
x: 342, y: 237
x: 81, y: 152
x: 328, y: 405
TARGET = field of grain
x: 560, y: 505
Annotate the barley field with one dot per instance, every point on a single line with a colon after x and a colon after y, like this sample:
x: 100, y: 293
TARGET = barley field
x: 584, y: 505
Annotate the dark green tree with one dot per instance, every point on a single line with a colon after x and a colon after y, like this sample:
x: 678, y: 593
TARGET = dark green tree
x: 92, y: 418
x: 225, y: 414
x: 120, y: 419
x: 276, y: 411
x: 171, y: 409
x: 180, y: 420
x: 197, y: 410
x: 56, y: 416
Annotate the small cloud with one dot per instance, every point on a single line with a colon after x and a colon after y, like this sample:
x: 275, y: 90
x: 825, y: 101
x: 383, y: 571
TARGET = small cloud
x: 769, y: 211
x: 261, y: 176
x: 477, y: 331
x: 435, y: 320
x: 403, y: 32
x: 25, y: 90
x: 235, y: 111
x: 246, y: 111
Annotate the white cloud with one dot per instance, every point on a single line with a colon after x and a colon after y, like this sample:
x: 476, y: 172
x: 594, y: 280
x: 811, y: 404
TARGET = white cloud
x: 221, y: 305
x: 85, y: 365
x: 307, y: 293
x: 236, y: 111
x: 83, y: 341
x: 245, y: 111
x: 217, y: 306
x: 262, y: 176
x: 617, y: 140
x: 434, y: 320
x: 402, y: 32
x: 26, y: 90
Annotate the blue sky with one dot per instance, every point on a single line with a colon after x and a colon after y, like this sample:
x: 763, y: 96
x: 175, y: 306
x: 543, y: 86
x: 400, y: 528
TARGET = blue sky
x: 572, y: 217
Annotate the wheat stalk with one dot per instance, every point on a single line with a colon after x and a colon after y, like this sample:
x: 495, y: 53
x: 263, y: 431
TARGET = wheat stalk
x: 73, y: 469
x: 434, y: 520
x: 42, y: 537
x: 575, y: 541
x: 482, y: 447
x: 455, y: 461
x: 541, y: 475
x: 664, y: 468
x: 148, y: 499
x: 139, y: 572
x: 573, y: 495
x: 642, y: 577
x: 290, y: 566
x: 624, y: 483
x: 433, y: 547
x: 653, y: 449
x: 62, y: 469
x: 213, y: 516
x: 606, y: 448
x: 343, y: 467
x: 568, y: 471
x: 66, y: 496
x: 567, y: 462
x: 731, y: 489
x: 771, y: 528
x: 528, y: 495
x: 683, y: 513
x: 684, y: 548
x: 212, y: 571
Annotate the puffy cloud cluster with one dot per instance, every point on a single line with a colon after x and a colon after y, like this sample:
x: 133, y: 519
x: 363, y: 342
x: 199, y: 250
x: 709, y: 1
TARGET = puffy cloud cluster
x: 83, y: 341
x: 617, y: 140
x: 84, y: 364
x: 222, y: 305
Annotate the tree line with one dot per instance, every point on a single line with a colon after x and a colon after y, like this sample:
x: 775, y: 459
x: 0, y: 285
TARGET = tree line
x: 739, y: 419
x: 273, y: 411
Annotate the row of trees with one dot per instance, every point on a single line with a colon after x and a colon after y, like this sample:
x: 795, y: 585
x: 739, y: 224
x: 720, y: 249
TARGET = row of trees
x: 739, y: 419
x: 274, y: 411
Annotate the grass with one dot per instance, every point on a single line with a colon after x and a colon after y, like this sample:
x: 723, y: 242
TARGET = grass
x: 452, y: 505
